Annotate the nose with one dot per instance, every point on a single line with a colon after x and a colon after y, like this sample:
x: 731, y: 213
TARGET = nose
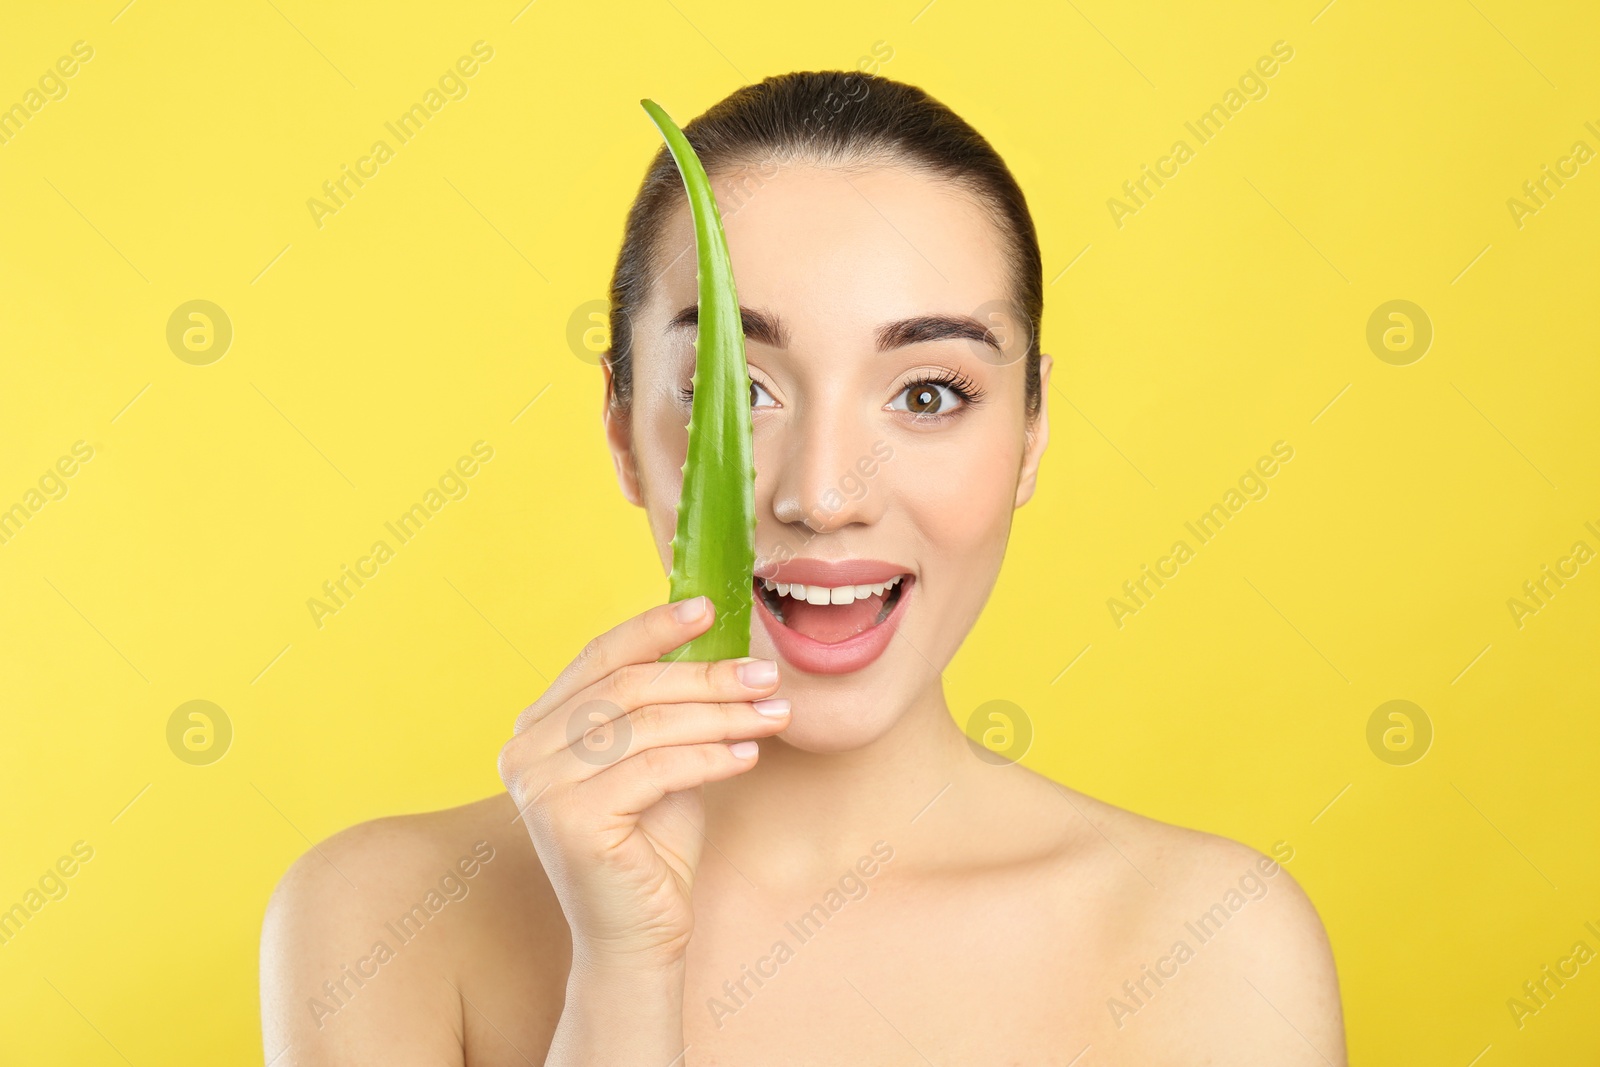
x: 821, y: 462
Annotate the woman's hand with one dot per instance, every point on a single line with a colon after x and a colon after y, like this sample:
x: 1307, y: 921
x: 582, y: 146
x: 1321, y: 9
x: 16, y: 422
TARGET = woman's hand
x: 606, y: 769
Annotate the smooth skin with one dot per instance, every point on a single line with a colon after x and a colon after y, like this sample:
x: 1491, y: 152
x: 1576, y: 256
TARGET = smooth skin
x: 861, y: 886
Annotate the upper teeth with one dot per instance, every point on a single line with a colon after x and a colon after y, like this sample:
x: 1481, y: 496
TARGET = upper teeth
x: 823, y: 594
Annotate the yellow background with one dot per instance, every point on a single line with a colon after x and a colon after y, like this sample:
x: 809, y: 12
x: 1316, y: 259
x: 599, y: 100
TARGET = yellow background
x: 370, y: 353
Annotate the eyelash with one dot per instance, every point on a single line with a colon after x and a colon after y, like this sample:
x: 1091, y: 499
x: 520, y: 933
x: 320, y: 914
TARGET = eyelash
x: 964, y: 387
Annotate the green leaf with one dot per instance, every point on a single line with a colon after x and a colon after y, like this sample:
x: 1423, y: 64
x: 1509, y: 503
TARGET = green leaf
x: 714, y: 549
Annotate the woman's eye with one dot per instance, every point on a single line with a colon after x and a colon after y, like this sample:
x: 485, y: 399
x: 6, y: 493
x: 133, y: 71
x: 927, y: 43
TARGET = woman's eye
x: 757, y: 391
x: 927, y: 398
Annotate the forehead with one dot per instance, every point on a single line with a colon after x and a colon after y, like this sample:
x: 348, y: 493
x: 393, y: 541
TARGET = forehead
x: 849, y: 248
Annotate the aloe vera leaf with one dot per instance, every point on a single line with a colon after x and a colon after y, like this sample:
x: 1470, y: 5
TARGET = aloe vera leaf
x: 713, y: 551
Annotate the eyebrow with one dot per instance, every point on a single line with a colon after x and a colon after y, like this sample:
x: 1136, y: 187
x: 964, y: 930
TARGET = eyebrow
x: 769, y: 330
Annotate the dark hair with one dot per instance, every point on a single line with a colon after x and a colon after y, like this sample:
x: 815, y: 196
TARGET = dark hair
x: 834, y: 118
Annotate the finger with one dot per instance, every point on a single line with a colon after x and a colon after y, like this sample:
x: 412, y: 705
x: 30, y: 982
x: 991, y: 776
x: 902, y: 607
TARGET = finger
x: 644, y: 638
x: 639, y: 684
x: 687, y: 681
x: 640, y: 781
x: 595, y: 748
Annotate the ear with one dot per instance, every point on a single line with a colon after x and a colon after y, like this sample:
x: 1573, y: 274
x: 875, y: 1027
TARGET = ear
x: 619, y: 438
x: 1038, y: 436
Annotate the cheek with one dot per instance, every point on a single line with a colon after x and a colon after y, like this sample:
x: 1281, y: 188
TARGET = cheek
x: 660, y: 452
x: 958, y: 498
x: 962, y: 495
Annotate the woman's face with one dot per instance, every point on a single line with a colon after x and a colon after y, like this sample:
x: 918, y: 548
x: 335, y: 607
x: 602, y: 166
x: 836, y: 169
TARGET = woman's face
x: 890, y: 439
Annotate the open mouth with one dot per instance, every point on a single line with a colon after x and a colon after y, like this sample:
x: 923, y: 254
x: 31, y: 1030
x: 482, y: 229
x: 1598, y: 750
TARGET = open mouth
x: 831, y: 614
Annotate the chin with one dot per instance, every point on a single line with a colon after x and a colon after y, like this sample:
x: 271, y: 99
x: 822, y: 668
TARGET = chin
x: 841, y: 715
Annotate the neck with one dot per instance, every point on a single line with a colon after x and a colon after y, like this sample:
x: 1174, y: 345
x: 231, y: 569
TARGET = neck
x: 798, y: 818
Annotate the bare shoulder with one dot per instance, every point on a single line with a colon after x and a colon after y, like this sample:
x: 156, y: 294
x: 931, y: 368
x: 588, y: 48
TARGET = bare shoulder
x: 1219, y: 951
x: 376, y: 939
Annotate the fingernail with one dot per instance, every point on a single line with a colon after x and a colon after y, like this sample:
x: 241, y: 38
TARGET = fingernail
x: 743, y: 749
x: 774, y: 706
x: 758, y: 673
x: 690, y: 610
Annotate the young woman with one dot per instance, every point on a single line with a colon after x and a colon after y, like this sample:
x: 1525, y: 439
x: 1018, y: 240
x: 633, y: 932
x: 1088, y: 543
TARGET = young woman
x: 799, y: 857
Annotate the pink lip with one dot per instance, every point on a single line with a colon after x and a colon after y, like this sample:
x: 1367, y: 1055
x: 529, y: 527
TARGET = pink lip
x: 831, y: 573
x: 843, y: 657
